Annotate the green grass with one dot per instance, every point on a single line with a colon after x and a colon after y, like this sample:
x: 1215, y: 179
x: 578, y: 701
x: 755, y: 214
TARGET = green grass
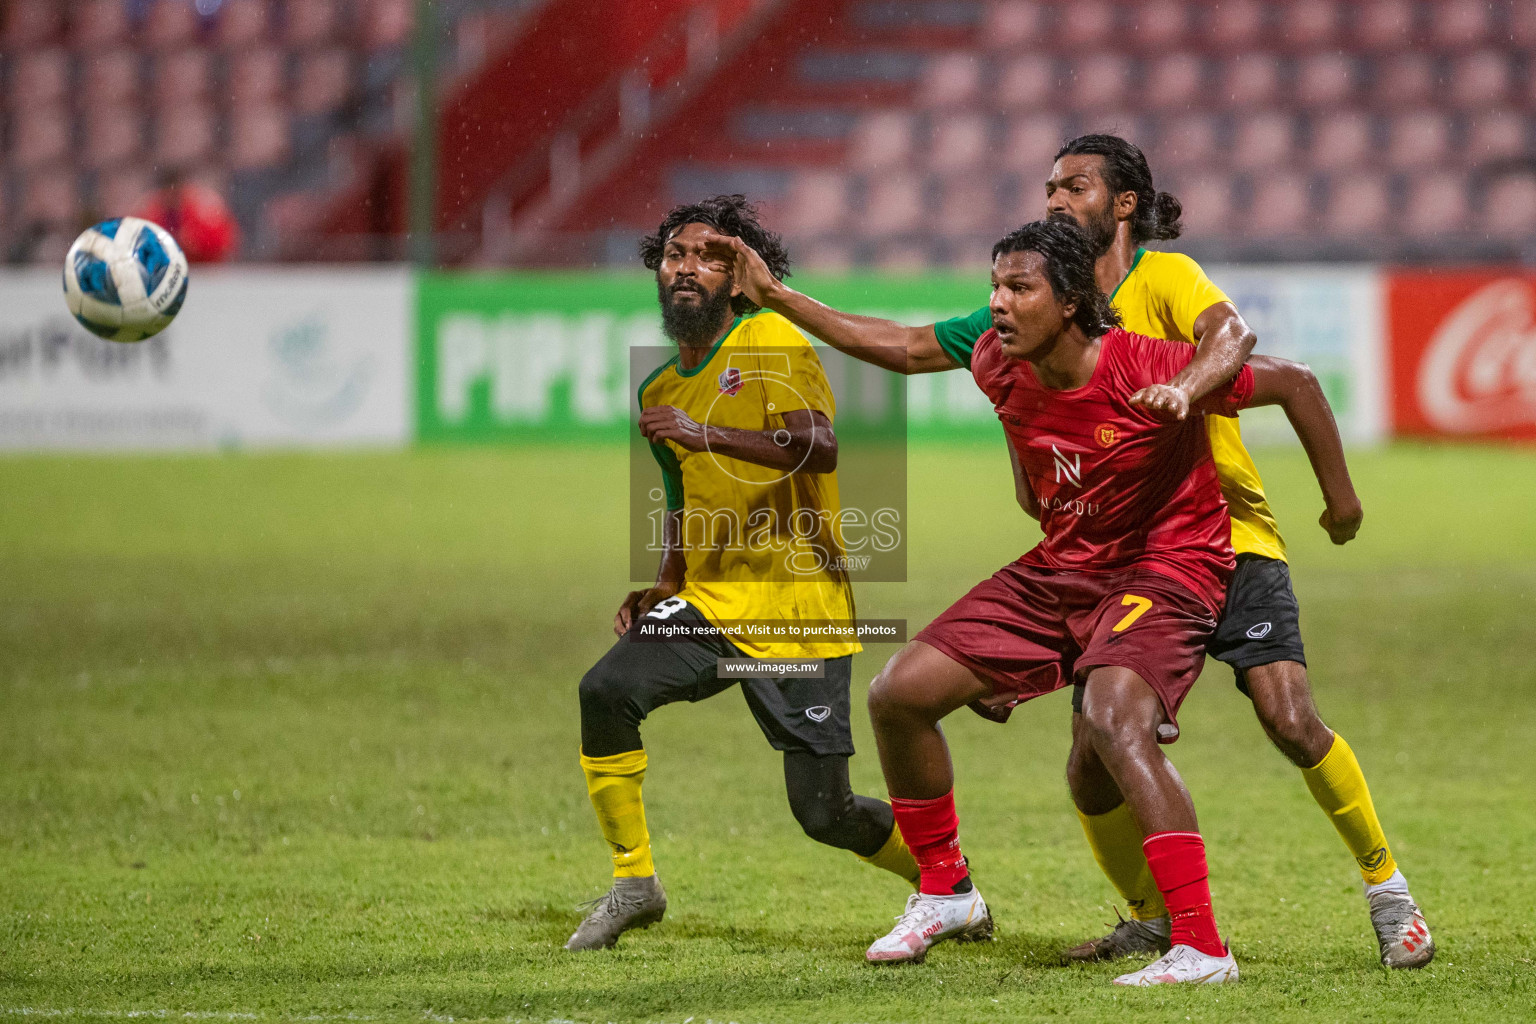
x: 292, y: 736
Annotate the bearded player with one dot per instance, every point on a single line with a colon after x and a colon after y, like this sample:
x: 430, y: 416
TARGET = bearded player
x: 1102, y: 183
x: 740, y: 421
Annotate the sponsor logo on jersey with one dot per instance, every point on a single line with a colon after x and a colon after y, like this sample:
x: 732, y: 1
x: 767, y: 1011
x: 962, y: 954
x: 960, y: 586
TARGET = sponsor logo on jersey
x: 1069, y: 468
x: 730, y: 380
x: 1106, y: 435
x: 1260, y: 631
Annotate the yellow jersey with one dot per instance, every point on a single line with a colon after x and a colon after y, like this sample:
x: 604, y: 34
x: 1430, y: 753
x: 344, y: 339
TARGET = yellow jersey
x: 760, y: 544
x: 1162, y: 296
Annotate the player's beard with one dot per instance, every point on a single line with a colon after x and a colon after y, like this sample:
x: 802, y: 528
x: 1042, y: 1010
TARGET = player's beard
x: 694, y: 326
x: 1100, y: 229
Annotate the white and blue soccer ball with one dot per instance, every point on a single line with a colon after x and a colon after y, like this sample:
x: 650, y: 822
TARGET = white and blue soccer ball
x: 125, y: 279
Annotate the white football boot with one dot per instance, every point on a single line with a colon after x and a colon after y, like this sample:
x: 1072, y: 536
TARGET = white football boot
x: 929, y: 920
x: 1401, y: 930
x: 1184, y: 965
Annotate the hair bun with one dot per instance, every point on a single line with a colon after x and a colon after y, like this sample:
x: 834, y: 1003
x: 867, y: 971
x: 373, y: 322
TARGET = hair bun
x: 1167, y: 210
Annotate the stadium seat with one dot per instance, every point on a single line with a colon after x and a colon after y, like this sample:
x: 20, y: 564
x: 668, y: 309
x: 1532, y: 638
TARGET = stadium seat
x: 181, y: 76
x: 41, y: 79
x: 1173, y: 82
x: 1459, y: 23
x: 1418, y: 139
x: 1306, y: 24
x: 1359, y: 203
x: 1263, y: 140
x: 1509, y: 206
x: 949, y: 80
x: 1084, y: 24
x: 967, y: 205
x: 1031, y: 144
x: 893, y: 205
x: 96, y: 24
x: 1480, y: 79
x: 386, y: 24
x: 1237, y: 23
x: 959, y: 141
x: 1436, y: 205
x: 256, y: 76
x: 816, y: 203
x: 1208, y: 204
x: 50, y: 196
x: 170, y: 24
x: 1186, y: 141
x: 258, y: 138
x: 1281, y: 205
x: 826, y: 254
x: 1157, y: 26
x: 184, y: 134
x: 1497, y: 135
x: 109, y: 78
x: 1404, y: 80
x: 903, y: 257
x: 324, y: 82
x: 1341, y: 139
x: 242, y: 24
x: 310, y: 22
x: 1522, y: 25
x: 1027, y: 83
x: 1249, y: 80
x: 1096, y: 82
x: 881, y: 139
x: 112, y: 135
x: 1325, y: 80
x: 41, y: 136
x: 1012, y: 23
x: 1384, y: 25
x: 32, y: 23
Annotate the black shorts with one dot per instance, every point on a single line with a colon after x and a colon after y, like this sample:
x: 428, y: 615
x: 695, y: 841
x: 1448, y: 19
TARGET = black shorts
x: 794, y: 713
x: 1261, y: 623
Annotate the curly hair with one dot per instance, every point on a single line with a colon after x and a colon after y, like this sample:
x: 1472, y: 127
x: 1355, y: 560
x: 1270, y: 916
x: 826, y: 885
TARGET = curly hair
x: 729, y: 215
x: 1069, y: 262
x: 1126, y: 170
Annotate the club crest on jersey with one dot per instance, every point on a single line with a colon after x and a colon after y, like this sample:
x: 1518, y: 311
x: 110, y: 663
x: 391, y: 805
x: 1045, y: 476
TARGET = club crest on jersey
x: 730, y: 380
x: 1106, y: 435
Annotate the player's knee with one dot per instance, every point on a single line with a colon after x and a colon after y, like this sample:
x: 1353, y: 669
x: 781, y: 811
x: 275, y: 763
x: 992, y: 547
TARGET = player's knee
x: 1109, y: 726
x: 605, y: 692
x: 821, y: 816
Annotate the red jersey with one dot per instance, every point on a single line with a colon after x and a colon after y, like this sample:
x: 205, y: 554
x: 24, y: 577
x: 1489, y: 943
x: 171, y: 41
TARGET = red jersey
x: 1119, y: 489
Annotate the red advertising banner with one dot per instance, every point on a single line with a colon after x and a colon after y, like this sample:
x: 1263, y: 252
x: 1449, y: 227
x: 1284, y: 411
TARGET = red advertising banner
x: 1463, y: 354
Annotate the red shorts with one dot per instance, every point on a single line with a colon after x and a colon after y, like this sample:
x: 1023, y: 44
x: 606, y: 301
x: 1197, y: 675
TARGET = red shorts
x: 1031, y: 631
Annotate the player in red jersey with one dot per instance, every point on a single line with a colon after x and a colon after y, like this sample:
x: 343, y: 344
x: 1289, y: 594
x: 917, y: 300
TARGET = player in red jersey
x: 1118, y: 599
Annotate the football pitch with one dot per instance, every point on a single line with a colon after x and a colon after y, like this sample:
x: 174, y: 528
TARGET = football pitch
x: 294, y: 737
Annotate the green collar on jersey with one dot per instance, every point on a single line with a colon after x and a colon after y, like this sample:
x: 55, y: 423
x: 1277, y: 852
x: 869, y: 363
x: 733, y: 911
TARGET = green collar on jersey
x: 1140, y: 252
x: 715, y: 348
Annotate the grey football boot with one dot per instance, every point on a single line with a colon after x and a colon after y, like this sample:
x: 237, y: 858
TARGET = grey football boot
x: 1401, y: 931
x: 631, y: 903
x: 1128, y: 938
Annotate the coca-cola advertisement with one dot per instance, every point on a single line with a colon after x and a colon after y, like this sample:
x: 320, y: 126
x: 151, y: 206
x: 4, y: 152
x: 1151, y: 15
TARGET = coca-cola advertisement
x: 1463, y: 354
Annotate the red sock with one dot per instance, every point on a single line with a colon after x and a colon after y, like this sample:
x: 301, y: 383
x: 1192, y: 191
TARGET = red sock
x: 1177, y: 860
x: 932, y: 831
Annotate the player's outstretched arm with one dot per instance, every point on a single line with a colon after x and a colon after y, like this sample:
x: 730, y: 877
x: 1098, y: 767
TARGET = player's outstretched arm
x: 669, y: 576
x: 1223, y: 340
x: 805, y: 444
x: 1293, y: 387
x: 884, y: 343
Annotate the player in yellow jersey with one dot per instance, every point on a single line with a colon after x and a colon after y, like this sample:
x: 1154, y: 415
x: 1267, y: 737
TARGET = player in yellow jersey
x: 740, y: 421
x: 1102, y: 183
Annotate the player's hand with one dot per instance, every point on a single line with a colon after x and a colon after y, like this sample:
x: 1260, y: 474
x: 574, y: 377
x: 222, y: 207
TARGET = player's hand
x: 666, y: 423
x: 1167, y: 402
x: 749, y: 272
x: 1342, y: 523
x: 637, y: 603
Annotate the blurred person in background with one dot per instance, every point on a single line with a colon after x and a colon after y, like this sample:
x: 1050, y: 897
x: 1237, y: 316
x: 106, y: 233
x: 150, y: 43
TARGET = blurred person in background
x: 196, y: 216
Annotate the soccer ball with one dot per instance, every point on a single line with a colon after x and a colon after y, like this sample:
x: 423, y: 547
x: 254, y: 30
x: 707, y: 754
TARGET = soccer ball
x: 125, y: 279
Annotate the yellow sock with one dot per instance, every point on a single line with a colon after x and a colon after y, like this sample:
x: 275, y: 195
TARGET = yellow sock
x: 613, y: 783
x: 1338, y: 786
x: 895, y: 857
x: 1116, y: 844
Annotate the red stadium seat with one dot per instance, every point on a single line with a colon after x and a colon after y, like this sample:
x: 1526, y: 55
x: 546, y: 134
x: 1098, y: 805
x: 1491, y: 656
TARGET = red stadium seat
x: 893, y: 206
x: 826, y: 254
x: 32, y: 23
x: 968, y: 205
x: 1174, y: 82
x: 50, y: 197
x: 950, y: 79
x: 1156, y: 26
x: 1027, y: 83
x: 1325, y: 80
x: 1341, y: 140
x: 310, y: 22
x: 1249, y: 80
x: 1497, y: 135
x: 1013, y: 23
x: 109, y: 78
x: 1509, y: 206
x: 324, y: 82
x: 181, y: 76
x: 184, y: 134
x: 96, y: 24
x: 816, y: 203
x: 1263, y: 140
x: 1235, y: 23
x: 1358, y: 204
x: 40, y: 136
x: 959, y: 141
x: 1384, y: 24
x: 1459, y: 23
x: 1522, y: 25
x: 1096, y: 82
x: 903, y: 257
x: 1480, y: 79
x: 119, y: 189
x: 41, y: 78
x: 1084, y: 23
x: 881, y: 139
x: 1420, y: 138
x: 1208, y: 202
x: 112, y: 134
x: 1281, y: 205
x: 1404, y: 80
x: 1187, y: 141
x: 170, y: 24
x: 258, y: 138
x: 1306, y: 24
x: 256, y: 76
x: 242, y: 24
x: 386, y: 24
x: 1031, y: 145
x: 1437, y: 205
